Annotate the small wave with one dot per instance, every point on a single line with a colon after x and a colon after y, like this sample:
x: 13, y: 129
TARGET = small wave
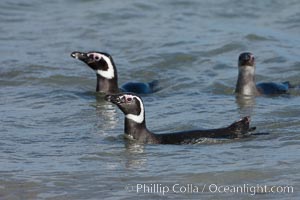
x: 255, y: 37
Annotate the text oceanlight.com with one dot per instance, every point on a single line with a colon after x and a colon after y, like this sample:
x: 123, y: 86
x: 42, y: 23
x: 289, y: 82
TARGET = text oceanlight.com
x: 157, y: 188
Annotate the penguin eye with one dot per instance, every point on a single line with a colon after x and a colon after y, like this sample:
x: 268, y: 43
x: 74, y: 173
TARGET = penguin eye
x: 97, y: 58
x: 129, y: 99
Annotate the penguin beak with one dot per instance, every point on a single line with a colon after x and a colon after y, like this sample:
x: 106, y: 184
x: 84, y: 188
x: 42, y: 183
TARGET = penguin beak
x: 115, y: 99
x: 246, y: 59
x: 80, y: 56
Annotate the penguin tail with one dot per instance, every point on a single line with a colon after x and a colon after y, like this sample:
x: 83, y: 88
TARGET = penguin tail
x: 241, y: 128
x: 288, y: 84
x: 291, y: 86
x: 154, y: 85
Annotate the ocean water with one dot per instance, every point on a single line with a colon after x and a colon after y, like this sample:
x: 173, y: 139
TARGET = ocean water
x: 61, y: 140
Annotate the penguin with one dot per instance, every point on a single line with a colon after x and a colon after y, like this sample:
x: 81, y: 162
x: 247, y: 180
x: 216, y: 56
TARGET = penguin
x: 135, y: 125
x: 246, y: 80
x: 107, y: 77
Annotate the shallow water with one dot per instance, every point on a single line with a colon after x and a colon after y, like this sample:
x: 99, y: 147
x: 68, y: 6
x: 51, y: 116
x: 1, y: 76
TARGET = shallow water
x: 60, y: 140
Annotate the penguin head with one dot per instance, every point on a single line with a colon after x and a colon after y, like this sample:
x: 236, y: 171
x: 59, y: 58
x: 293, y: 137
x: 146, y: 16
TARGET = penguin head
x: 102, y: 63
x: 130, y: 104
x: 246, y: 59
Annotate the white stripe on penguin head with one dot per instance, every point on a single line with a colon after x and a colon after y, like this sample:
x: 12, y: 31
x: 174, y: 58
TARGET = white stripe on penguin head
x: 136, y: 118
x: 110, y: 72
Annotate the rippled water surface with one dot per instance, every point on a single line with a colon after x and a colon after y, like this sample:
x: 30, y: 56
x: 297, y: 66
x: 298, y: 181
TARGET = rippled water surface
x: 60, y: 140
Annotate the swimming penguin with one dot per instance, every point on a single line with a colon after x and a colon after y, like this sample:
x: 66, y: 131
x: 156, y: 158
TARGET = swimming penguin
x: 107, y: 76
x: 135, y: 125
x: 246, y: 79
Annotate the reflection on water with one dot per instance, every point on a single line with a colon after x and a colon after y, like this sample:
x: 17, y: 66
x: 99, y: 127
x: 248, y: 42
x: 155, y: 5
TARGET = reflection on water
x: 246, y: 104
x: 135, y: 157
x: 106, y: 112
x: 133, y: 147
